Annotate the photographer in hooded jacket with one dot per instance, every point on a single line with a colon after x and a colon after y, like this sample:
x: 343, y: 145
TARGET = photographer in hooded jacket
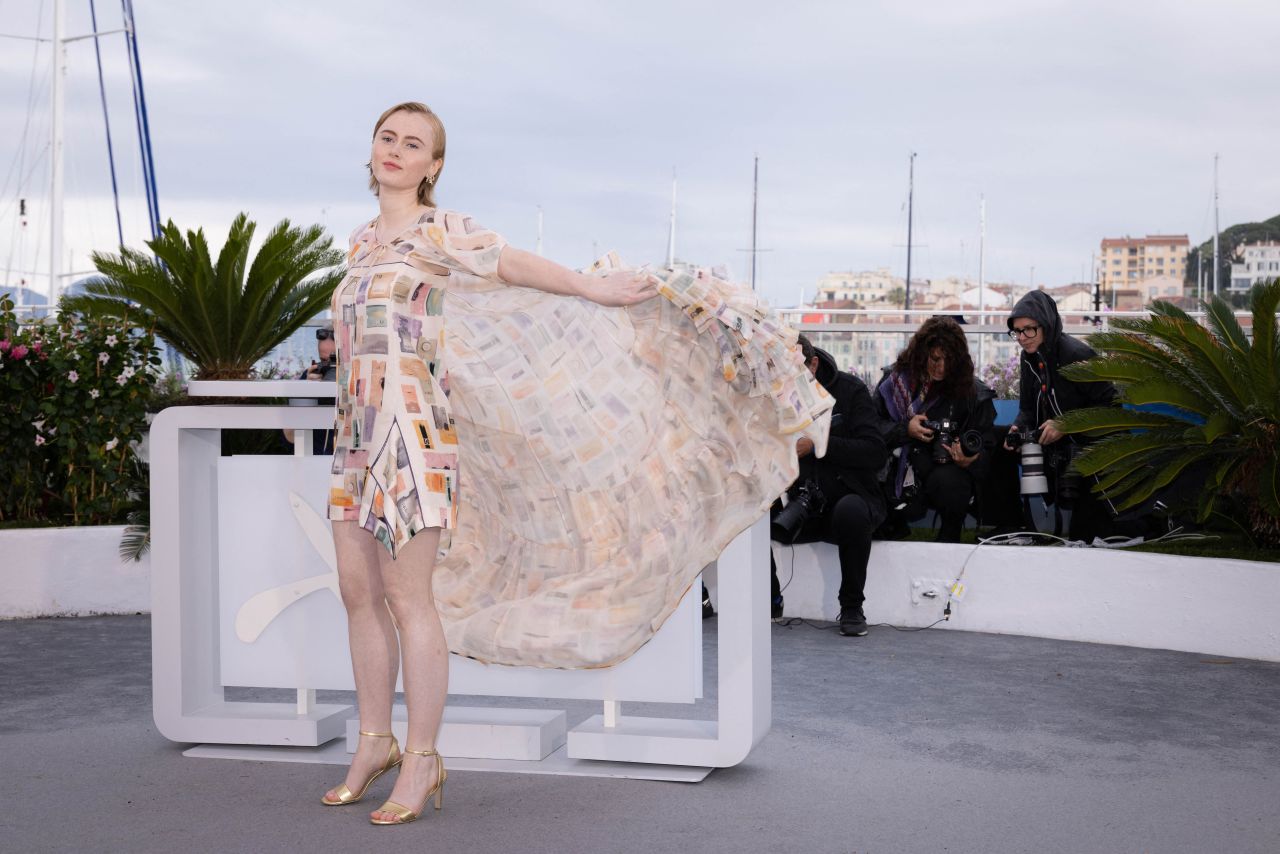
x: 936, y: 418
x: 1044, y: 394
x: 836, y: 499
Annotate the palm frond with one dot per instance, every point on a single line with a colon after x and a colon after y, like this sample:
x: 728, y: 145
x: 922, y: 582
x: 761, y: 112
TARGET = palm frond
x: 223, y: 315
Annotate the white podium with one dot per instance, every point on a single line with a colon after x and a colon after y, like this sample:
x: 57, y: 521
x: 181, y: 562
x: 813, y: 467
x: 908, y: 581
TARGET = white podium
x: 244, y: 594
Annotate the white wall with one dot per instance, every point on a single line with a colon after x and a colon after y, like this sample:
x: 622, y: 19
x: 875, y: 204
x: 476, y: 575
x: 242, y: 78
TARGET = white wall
x: 69, y: 572
x: 1220, y: 607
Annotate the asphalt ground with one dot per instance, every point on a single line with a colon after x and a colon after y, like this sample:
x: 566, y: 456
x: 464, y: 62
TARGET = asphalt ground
x: 933, y: 741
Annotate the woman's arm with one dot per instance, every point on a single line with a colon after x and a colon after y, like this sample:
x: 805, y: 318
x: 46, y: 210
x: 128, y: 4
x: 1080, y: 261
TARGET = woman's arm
x: 519, y: 267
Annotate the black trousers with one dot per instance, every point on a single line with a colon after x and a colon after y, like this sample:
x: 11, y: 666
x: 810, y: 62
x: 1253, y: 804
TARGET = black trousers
x: 948, y: 489
x: 847, y: 524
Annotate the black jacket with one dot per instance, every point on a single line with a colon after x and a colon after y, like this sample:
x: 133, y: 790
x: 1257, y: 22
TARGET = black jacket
x: 855, y: 451
x: 971, y: 413
x: 1043, y: 392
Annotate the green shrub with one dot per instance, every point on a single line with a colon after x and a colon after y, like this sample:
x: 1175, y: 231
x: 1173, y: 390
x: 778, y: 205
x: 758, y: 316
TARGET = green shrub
x: 75, y: 397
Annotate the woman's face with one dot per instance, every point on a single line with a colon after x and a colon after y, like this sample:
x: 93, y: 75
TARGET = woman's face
x: 402, y: 149
x: 937, y: 365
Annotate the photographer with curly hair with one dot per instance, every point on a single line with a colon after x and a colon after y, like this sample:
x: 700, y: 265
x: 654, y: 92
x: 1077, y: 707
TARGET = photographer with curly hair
x: 936, y: 418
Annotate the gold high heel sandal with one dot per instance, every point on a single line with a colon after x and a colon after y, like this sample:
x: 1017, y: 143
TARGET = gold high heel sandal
x: 345, y: 795
x: 404, y: 815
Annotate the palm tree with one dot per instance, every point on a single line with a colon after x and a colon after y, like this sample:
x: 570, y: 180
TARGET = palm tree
x: 222, y: 316
x: 1227, y: 420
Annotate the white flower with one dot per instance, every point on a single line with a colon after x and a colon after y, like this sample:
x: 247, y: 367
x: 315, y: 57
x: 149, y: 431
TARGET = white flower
x: 128, y: 371
x: 39, y: 425
x: 111, y: 446
x: 93, y: 392
x: 72, y: 376
x: 103, y: 358
x: 111, y: 341
x: 121, y: 380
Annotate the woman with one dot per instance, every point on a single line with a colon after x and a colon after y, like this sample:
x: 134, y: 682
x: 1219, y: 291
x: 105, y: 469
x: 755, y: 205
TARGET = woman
x: 395, y: 469
x: 933, y: 381
x: 592, y: 451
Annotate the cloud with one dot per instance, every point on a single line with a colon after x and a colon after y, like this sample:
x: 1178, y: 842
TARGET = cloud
x: 1077, y: 120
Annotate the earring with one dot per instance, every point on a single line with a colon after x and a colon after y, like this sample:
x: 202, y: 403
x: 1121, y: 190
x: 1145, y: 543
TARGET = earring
x: 431, y: 179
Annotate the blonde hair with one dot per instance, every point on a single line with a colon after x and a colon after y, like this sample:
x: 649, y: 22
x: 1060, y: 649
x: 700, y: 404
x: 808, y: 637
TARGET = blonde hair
x: 426, y: 191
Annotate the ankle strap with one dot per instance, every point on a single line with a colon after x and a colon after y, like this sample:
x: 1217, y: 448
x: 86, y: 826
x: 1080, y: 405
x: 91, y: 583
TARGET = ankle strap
x: 428, y: 752
x: 377, y: 734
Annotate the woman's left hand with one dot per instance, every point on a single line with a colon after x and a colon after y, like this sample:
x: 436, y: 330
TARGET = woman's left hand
x: 621, y: 288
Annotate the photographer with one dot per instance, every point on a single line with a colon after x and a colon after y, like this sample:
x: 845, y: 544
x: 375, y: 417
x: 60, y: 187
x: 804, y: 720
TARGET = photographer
x: 1045, y: 394
x: 837, y: 498
x: 325, y: 370
x: 936, y: 418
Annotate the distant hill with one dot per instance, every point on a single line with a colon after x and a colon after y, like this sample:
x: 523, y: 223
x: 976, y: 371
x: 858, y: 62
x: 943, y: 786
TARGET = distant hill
x: 1228, y: 242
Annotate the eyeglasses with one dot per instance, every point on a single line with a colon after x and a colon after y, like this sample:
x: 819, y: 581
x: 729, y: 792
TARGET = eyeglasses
x: 324, y: 334
x: 1024, y: 332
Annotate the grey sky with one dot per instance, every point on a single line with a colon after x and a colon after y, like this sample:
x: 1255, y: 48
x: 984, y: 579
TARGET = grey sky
x: 1077, y: 120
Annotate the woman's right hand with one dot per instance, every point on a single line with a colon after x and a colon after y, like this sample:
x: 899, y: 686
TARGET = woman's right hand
x: 621, y: 288
x: 916, y: 429
x: 1013, y: 428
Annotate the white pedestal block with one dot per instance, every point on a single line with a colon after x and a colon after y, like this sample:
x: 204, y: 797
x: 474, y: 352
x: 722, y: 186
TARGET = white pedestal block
x: 744, y: 702
x: 481, y: 732
x: 244, y: 594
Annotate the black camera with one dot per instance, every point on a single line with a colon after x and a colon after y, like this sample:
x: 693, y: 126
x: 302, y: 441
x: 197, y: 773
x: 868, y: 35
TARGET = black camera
x: 326, y: 368
x: 944, y: 434
x: 806, y: 502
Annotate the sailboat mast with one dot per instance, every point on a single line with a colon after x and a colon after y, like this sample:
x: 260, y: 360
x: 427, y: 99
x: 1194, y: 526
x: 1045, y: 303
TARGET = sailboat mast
x: 1216, y: 265
x: 58, y: 107
x: 982, y: 278
x: 911, y: 189
x: 671, y: 233
x: 755, y: 195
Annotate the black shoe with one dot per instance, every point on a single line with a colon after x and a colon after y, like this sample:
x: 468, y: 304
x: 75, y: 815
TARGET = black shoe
x: 775, y: 609
x: 852, y: 623
x: 708, y: 610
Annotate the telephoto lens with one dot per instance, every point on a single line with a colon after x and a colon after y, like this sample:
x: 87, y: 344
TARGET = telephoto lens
x: 1033, y: 480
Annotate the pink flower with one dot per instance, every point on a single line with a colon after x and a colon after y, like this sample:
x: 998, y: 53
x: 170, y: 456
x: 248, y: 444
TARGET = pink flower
x: 72, y: 376
x: 93, y: 392
x: 111, y: 340
x: 19, y: 351
x: 103, y: 358
x: 4, y: 345
x: 39, y: 440
x: 121, y: 380
x: 36, y: 345
x: 111, y: 446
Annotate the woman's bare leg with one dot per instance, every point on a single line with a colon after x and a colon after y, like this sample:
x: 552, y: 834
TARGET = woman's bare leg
x: 375, y: 651
x: 407, y: 581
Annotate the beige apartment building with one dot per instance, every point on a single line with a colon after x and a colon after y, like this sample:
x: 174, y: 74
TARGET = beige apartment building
x: 864, y: 287
x: 1127, y: 261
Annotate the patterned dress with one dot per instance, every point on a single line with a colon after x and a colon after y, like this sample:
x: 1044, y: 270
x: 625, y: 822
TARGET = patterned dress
x: 588, y: 462
x: 395, y: 462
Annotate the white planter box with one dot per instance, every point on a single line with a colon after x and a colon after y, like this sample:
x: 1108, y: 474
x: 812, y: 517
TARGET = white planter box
x: 47, y: 572
x: 1208, y: 605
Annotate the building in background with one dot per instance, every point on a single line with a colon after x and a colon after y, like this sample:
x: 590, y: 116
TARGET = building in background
x: 866, y: 288
x: 1126, y: 262
x: 1261, y: 264
x: 1138, y: 297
